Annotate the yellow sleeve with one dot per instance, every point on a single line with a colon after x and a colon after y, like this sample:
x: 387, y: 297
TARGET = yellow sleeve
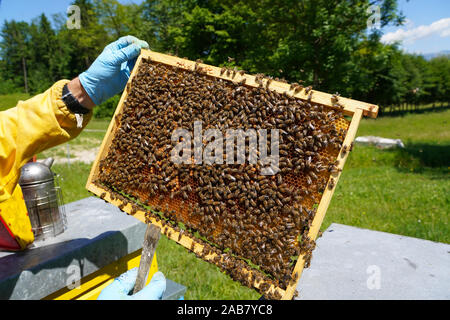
x: 31, y: 127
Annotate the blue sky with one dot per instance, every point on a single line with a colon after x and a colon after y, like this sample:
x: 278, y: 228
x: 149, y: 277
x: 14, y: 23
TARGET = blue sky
x: 26, y: 10
x: 427, y: 29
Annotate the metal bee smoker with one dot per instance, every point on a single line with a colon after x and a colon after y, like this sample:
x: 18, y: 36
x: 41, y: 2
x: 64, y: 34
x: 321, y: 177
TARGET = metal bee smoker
x: 43, y: 199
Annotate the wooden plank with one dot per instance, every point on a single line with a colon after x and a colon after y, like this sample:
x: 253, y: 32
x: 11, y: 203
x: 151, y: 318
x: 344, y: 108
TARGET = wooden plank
x: 342, y: 157
x: 151, y: 239
x: 326, y: 198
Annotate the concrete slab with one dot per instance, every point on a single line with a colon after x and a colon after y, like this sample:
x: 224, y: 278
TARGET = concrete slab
x: 380, y: 142
x: 354, y: 263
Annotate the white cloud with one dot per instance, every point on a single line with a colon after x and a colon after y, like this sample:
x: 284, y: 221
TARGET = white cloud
x: 440, y: 27
x: 408, y: 23
x: 445, y: 33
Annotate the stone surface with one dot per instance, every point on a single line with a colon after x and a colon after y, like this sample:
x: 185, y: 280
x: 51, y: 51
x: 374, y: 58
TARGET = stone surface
x: 98, y: 234
x: 380, y: 142
x: 354, y: 263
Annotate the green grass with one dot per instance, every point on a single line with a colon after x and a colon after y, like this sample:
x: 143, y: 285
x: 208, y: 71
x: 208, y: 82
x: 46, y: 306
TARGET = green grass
x: 10, y: 100
x: 411, y: 128
x: 98, y: 124
x: 89, y: 138
x: 72, y: 178
x: 392, y: 197
x: 203, y: 280
x: 402, y: 191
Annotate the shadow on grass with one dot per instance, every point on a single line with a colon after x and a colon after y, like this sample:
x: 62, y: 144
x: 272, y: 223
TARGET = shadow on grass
x: 418, y: 157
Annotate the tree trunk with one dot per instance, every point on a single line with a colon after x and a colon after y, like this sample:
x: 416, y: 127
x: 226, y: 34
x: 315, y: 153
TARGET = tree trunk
x: 25, y: 79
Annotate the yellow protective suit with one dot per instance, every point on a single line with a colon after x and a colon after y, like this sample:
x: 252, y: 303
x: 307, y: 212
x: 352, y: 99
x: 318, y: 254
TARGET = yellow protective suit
x: 31, y: 127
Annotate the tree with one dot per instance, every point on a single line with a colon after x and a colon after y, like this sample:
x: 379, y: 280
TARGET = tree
x: 117, y: 19
x: 15, y: 52
x: 440, y: 79
x: 87, y: 42
x: 43, y: 49
x: 310, y: 40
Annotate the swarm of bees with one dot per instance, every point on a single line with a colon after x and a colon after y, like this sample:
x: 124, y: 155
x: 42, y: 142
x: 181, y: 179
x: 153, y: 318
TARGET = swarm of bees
x: 240, y: 214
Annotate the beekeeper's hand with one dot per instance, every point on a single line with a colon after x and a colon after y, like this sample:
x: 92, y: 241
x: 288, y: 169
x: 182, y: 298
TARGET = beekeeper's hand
x: 122, y: 286
x: 109, y: 73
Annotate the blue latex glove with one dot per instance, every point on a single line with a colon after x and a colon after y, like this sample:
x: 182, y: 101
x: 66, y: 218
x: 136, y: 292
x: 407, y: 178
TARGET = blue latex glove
x: 121, y: 286
x: 109, y: 73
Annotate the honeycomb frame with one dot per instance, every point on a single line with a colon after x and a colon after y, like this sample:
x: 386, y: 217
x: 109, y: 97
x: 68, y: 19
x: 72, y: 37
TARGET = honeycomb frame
x: 354, y: 109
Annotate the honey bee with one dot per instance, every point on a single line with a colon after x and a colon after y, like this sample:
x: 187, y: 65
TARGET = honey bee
x: 180, y: 235
x: 344, y: 150
x: 335, y: 97
x: 307, y: 89
x: 298, y: 89
x: 331, y: 184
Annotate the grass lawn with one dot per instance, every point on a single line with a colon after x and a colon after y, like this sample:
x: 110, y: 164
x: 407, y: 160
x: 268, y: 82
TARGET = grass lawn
x: 432, y: 127
x: 10, y: 100
x: 403, y: 191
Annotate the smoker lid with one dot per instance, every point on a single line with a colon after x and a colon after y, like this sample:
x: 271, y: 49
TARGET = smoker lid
x: 35, y: 172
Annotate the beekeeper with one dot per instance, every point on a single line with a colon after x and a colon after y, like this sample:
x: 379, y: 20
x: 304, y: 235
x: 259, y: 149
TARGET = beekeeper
x: 52, y: 118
